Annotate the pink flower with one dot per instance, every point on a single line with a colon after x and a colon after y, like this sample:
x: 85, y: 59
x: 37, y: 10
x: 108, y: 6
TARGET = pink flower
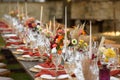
x: 54, y: 45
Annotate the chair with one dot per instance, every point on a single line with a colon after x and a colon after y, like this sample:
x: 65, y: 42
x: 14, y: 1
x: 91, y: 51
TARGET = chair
x: 2, y: 65
x: 4, y: 72
x: 5, y: 78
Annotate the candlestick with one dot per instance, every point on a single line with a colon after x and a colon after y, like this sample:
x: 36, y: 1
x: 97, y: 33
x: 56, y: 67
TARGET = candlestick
x: 50, y: 24
x: 41, y: 13
x: 18, y: 6
x: 9, y: 5
x: 101, y: 44
x: 65, y: 27
x: 26, y: 12
x: 22, y: 12
x: 47, y: 27
x: 54, y: 25
x: 90, y: 43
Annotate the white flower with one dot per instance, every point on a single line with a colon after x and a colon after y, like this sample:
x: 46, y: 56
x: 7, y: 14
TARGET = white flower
x: 102, y: 49
x: 54, y: 50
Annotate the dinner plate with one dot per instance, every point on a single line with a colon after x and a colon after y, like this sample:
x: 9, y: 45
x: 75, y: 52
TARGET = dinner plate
x: 40, y: 67
x: 9, y: 35
x: 13, y: 46
x: 112, y: 78
x: 45, y: 76
x: 28, y: 58
x: 35, y: 70
x: 17, y: 52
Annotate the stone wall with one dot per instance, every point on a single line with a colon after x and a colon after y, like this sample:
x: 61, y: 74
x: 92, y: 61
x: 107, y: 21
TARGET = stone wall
x: 103, y: 10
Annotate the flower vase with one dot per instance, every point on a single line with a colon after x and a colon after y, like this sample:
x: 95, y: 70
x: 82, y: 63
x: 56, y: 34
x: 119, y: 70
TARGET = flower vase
x: 104, y: 72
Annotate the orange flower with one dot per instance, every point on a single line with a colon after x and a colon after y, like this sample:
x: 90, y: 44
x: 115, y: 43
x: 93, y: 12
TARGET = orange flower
x: 60, y: 37
x: 34, y: 25
x: 59, y: 51
x: 83, y: 32
x: 57, y: 41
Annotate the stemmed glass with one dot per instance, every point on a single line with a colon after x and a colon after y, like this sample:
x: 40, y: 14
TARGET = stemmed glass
x: 56, y: 59
x: 33, y: 45
x: 114, y: 60
x: 41, y: 49
x: 69, y: 68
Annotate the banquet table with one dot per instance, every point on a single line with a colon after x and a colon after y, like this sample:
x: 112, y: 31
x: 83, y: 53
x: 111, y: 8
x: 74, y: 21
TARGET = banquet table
x: 25, y: 64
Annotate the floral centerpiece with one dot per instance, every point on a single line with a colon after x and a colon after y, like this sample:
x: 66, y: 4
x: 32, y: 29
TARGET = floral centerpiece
x: 57, y: 42
x: 82, y: 45
x: 30, y: 22
x: 13, y: 13
x: 107, y: 54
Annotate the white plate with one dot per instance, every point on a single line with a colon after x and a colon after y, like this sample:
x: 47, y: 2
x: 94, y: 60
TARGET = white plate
x: 112, y: 78
x: 9, y: 35
x: 13, y: 40
x: 40, y: 67
x: 20, y: 50
x: 45, y: 76
x: 26, y: 56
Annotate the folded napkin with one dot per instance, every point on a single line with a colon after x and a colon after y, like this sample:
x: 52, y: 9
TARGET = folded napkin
x: 24, y: 48
x: 14, y: 37
x: 50, y: 72
x: 114, y: 72
x: 6, y: 30
x: 2, y: 25
x: 31, y: 53
x: 50, y: 65
x: 14, y: 43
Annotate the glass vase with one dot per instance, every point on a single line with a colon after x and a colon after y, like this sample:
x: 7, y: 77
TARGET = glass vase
x: 104, y: 72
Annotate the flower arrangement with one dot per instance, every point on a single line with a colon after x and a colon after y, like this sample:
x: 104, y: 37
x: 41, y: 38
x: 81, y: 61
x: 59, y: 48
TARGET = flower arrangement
x: 82, y: 44
x: 107, y: 53
x: 58, y: 41
x: 13, y: 13
x: 30, y: 22
x: 47, y: 33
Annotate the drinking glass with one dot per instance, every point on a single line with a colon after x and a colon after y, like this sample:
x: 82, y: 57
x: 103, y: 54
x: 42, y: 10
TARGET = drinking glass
x: 56, y: 59
x: 33, y: 45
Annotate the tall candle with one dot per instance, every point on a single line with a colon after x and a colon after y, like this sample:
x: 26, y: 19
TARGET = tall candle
x: 22, y: 12
x: 101, y: 44
x: 41, y: 13
x: 50, y: 24
x: 65, y: 27
x: 54, y: 25
x: 26, y: 12
x: 9, y: 5
x: 46, y: 27
x: 18, y: 6
x: 90, y: 43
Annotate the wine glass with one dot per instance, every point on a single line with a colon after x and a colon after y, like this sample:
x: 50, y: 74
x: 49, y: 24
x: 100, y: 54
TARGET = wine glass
x: 68, y: 70
x: 33, y: 45
x: 56, y: 59
x: 41, y: 49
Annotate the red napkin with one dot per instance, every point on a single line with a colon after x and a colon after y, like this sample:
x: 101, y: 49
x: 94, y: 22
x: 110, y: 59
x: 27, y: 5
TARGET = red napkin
x: 31, y: 53
x: 50, y: 65
x: 15, y: 43
x: 114, y: 72
x: 14, y: 37
x: 6, y: 30
x: 3, y: 25
x: 50, y: 72
x: 24, y: 48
